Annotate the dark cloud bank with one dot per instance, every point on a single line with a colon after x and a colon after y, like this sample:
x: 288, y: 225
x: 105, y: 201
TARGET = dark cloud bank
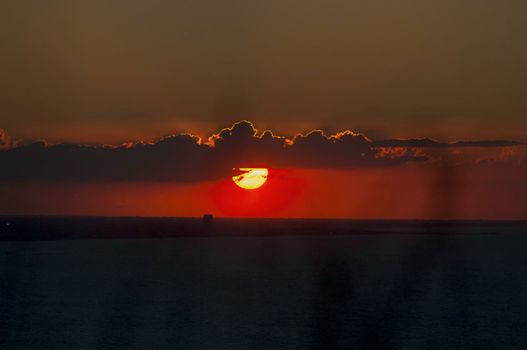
x: 187, y: 158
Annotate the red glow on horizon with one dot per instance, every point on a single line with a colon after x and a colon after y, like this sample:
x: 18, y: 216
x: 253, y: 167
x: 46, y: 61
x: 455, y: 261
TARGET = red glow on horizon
x: 282, y: 188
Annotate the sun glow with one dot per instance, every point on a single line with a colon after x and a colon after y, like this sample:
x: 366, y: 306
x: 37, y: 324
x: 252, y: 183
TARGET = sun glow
x: 250, y: 178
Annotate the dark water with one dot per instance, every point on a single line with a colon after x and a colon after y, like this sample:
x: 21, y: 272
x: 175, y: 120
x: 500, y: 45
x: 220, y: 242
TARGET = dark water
x: 389, y: 291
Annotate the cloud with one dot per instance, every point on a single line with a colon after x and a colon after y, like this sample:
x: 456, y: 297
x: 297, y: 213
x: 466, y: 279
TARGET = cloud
x: 430, y: 143
x: 188, y: 158
x: 5, y: 141
x: 516, y: 156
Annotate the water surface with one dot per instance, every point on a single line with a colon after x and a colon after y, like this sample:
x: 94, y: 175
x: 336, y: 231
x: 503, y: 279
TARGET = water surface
x: 399, y: 291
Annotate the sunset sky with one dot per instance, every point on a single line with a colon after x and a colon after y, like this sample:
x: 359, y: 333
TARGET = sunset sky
x: 95, y: 96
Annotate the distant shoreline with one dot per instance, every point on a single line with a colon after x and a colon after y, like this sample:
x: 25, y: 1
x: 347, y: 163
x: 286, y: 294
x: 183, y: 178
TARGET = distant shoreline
x: 33, y: 228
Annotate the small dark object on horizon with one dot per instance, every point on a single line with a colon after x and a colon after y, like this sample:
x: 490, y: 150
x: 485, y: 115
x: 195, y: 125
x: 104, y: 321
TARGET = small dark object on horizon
x: 207, y: 219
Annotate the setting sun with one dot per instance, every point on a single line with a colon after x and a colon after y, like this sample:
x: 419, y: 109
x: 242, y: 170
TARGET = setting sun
x: 250, y: 178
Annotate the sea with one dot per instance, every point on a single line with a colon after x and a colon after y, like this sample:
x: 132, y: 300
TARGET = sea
x: 261, y: 284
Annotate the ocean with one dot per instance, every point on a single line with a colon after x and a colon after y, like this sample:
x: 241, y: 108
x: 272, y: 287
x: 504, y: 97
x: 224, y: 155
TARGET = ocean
x: 389, y: 285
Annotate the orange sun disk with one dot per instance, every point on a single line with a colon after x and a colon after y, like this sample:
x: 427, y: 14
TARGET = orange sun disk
x: 250, y: 178
x: 282, y: 188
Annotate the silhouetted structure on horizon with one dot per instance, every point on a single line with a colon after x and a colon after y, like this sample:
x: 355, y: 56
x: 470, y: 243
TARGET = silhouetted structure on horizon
x: 208, y: 219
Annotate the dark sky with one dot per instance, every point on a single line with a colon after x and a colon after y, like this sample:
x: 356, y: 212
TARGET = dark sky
x: 107, y: 70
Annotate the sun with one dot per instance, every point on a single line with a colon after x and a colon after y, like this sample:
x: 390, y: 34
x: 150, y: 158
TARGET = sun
x: 250, y: 178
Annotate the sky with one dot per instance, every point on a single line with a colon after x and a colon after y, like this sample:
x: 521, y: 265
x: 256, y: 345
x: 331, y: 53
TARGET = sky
x: 95, y: 96
x: 110, y: 71
x: 313, y: 175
